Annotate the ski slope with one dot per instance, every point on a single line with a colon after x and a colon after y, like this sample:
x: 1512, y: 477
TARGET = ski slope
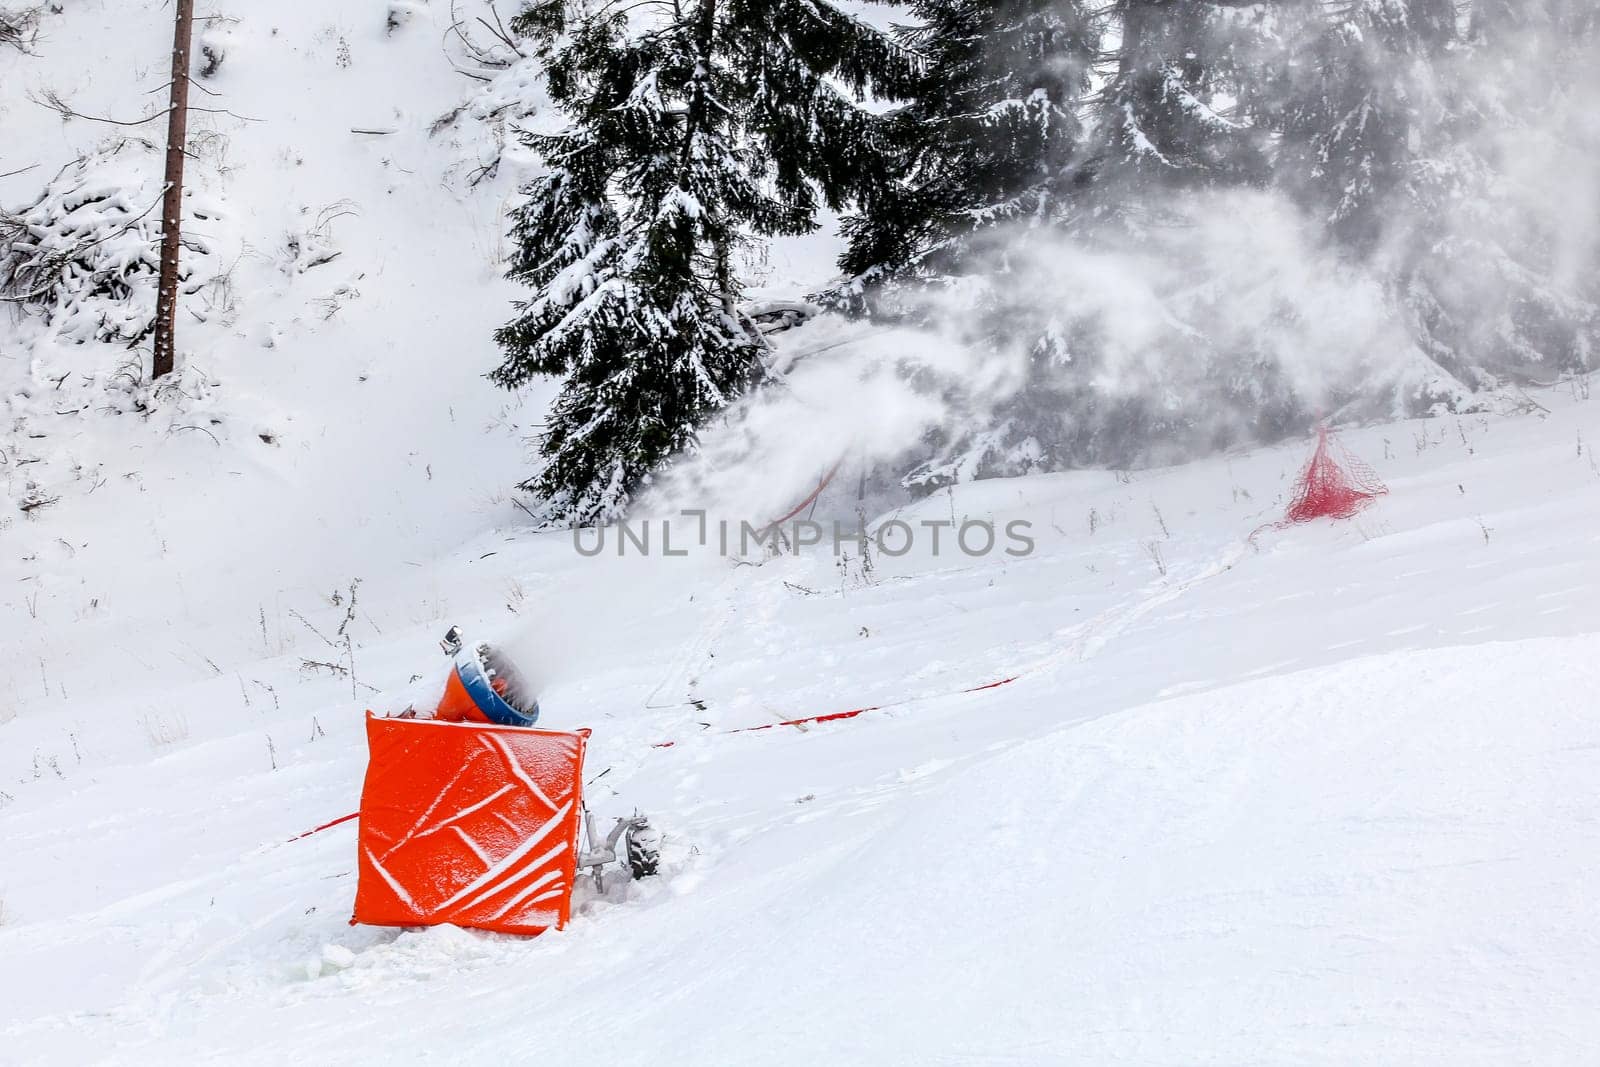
x: 1324, y: 799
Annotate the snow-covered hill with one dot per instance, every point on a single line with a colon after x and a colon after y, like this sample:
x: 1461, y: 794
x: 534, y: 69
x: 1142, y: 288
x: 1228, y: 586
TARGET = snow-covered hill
x: 336, y: 423
x: 1324, y: 799
x: 1326, y: 796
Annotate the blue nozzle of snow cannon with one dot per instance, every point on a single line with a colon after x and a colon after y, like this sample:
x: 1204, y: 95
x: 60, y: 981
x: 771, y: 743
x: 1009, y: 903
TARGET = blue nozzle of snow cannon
x: 494, y: 707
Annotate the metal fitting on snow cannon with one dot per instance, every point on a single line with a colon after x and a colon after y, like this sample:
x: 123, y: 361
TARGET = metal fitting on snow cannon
x: 484, y: 687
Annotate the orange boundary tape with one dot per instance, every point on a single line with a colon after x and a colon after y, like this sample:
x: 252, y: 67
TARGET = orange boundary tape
x: 835, y: 716
x: 808, y: 720
x: 324, y: 826
x: 798, y: 508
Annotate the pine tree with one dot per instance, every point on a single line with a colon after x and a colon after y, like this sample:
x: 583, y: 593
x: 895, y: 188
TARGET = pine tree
x: 986, y: 150
x: 1355, y: 124
x: 1494, y: 282
x: 989, y: 136
x: 994, y: 134
x: 1167, y: 118
x: 715, y: 124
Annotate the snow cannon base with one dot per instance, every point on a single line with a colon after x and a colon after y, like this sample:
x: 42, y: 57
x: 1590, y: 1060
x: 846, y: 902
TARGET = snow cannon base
x: 468, y: 824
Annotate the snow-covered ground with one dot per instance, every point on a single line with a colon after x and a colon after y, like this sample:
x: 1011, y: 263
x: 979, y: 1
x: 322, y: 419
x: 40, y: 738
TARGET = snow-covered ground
x: 1324, y: 797
x: 1327, y: 799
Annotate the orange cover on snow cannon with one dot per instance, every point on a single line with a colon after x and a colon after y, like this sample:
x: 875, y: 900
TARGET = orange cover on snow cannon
x: 475, y: 825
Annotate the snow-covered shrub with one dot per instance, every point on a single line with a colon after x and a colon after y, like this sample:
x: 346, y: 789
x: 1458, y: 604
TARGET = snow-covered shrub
x: 483, y: 128
x: 53, y: 389
x: 400, y: 13
x: 86, y: 252
x: 509, y: 80
x: 313, y: 245
x: 19, y: 22
x: 483, y: 38
x: 213, y: 43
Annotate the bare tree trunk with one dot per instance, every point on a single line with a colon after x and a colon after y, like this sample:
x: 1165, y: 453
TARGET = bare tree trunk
x: 700, y: 119
x: 172, y: 201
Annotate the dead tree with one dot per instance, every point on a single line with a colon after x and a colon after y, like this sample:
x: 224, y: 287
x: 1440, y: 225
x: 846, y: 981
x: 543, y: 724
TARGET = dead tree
x: 172, y: 202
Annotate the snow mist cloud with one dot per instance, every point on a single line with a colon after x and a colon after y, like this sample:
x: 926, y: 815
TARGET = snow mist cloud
x: 1203, y: 320
x: 861, y: 394
x: 1231, y: 323
x: 1227, y: 320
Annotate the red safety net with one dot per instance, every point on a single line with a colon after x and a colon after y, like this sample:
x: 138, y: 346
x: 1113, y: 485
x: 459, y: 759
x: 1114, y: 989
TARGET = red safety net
x: 468, y: 824
x: 1333, y: 485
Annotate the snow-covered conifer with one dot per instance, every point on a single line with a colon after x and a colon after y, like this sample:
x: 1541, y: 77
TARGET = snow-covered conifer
x: 1356, y: 117
x: 988, y: 137
x: 1167, y: 119
x: 692, y: 130
x: 1495, y: 274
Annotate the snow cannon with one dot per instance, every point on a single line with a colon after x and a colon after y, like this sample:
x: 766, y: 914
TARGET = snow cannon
x: 484, y: 687
x: 477, y: 819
